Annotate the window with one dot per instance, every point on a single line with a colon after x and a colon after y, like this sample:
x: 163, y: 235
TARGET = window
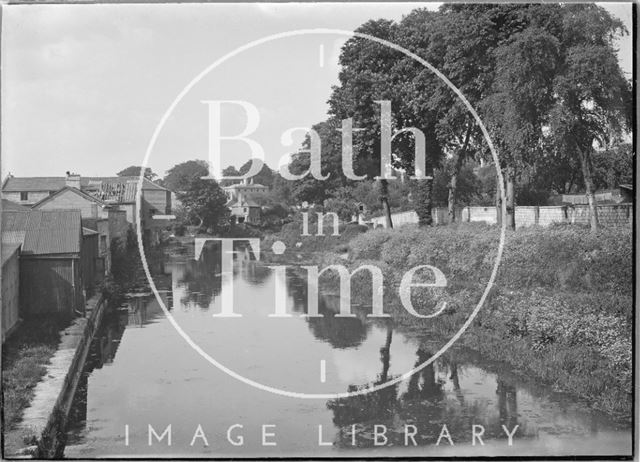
x: 24, y: 196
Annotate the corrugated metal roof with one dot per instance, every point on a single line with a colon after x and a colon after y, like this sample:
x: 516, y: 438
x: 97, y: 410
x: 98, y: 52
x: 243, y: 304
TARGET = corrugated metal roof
x: 13, y: 226
x: 8, y: 205
x: 44, y: 232
x: 8, y: 250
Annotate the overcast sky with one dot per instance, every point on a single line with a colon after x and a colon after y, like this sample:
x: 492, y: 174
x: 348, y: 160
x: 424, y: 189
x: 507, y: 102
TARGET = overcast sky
x: 84, y: 86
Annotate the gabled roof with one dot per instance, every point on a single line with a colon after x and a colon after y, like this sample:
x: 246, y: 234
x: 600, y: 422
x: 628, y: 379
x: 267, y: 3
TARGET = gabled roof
x: 244, y: 203
x: 82, y: 194
x: 54, y: 183
x: 37, y: 183
x: 43, y: 232
x: 245, y: 186
x: 8, y: 205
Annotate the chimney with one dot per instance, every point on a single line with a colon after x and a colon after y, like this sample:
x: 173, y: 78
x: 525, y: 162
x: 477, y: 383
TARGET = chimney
x: 73, y: 180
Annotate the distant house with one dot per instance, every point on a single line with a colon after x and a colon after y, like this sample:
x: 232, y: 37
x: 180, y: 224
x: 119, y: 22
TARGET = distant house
x: 237, y: 191
x: 118, y: 193
x: 10, y: 288
x: 51, y: 279
x: 243, y: 209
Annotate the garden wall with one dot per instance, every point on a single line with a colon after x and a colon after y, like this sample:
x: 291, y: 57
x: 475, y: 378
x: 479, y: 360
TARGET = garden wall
x: 608, y: 215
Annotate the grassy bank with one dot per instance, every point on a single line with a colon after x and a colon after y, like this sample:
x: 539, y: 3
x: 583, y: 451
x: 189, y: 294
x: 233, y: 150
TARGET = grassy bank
x: 25, y: 356
x: 561, y: 309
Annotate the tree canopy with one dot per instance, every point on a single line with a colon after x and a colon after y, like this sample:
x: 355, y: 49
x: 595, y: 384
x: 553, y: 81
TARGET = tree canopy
x: 135, y: 171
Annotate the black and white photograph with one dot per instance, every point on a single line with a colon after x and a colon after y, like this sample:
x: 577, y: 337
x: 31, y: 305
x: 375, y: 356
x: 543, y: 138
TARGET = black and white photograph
x: 318, y: 230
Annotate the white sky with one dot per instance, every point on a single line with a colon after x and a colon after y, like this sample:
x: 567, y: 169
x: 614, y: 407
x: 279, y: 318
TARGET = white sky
x: 84, y: 86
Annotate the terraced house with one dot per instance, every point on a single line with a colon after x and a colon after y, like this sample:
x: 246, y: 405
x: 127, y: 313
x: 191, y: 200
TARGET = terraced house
x: 112, y: 199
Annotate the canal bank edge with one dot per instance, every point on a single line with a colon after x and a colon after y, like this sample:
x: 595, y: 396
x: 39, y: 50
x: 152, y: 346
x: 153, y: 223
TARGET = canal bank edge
x: 45, y: 419
x: 577, y: 280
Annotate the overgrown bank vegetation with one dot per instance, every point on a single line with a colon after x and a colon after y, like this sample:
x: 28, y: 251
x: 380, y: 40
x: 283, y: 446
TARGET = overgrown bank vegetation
x: 561, y: 309
x: 24, y: 362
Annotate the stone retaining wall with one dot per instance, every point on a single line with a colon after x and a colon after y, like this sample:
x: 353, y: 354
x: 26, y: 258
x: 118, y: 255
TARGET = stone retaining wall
x: 46, y: 417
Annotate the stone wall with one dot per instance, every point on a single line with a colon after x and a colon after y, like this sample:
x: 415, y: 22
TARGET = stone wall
x: 608, y: 215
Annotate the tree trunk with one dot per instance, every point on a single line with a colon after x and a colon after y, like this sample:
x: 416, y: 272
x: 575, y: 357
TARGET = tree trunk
x: 427, y: 218
x: 585, y: 162
x: 386, y: 210
x: 451, y: 205
x: 452, y: 196
x: 498, y: 202
x: 511, y: 200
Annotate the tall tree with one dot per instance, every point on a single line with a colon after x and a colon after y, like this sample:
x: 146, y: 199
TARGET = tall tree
x: 179, y: 176
x: 231, y: 170
x: 519, y: 105
x: 375, y: 77
x: 204, y: 202
x: 591, y: 93
x: 455, y: 42
x: 135, y: 171
x: 263, y: 177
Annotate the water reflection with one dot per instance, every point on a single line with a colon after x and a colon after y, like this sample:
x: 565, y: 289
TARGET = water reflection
x: 200, y: 278
x: 338, y: 332
x: 141, y: 372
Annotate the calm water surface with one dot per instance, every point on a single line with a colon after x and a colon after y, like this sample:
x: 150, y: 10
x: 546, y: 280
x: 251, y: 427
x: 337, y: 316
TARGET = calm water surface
x: 142, y: 373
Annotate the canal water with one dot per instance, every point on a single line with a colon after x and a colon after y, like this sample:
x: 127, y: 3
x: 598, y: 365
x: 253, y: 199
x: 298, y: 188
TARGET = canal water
x: 143, y: 377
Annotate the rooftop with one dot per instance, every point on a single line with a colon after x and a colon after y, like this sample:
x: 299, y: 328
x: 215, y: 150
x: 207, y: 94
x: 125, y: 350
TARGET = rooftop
x: 8, y: 205
x: 54, y: 183
x: 80, y: 193
x: 246, y: 186
x: 8, y: 250
x: 42, y: 232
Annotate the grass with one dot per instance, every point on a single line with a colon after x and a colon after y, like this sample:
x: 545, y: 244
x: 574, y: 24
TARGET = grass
x: 561, y: 309
x: 25, y: 356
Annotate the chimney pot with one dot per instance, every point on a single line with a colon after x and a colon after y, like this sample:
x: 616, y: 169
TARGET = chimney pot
x: 73, y: 180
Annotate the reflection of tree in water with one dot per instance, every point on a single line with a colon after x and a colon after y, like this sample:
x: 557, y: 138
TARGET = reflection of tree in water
x: 143, y: 310
x: 507, y: 404
x: 377, y: 406
x: 424, y: 403
x: 424, y: 384
x: 202, y: 278
x: 338, y: 332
